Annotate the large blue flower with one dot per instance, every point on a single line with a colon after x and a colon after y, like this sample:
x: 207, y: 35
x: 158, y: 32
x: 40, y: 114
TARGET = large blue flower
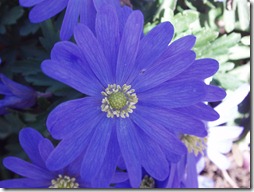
x: 143, y: 94
x: 35, y: 174
x: 15, y: 95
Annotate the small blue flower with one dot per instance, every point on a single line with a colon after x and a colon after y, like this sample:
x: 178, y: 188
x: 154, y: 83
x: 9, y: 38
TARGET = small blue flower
x: 142, y: 95
x: 15, y: 95
x: 35, y: 173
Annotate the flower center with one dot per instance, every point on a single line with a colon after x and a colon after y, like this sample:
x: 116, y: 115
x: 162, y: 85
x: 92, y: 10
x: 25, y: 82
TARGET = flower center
x: 118, y: 101
x: 147, y: 182
x: 64, y: 182
x: 194, y: 144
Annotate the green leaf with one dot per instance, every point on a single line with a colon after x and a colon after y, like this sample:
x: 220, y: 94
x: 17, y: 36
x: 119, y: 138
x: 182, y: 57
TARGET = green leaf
x: 243, y: 14
x: 228, y: 81
x: 183, y: 21
x: 205, y: 36
x: 239, y: 52
x: 29, y: 28
x: 13, y: 15
x: 246, y: 40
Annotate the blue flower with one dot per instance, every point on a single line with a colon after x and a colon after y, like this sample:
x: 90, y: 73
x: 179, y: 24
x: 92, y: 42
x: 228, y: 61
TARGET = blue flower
x: 142, y: 95
x: 35, y: 173
x: 15, y: 95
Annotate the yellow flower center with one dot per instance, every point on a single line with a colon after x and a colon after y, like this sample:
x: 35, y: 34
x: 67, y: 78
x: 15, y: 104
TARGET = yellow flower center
x: 118, y: 101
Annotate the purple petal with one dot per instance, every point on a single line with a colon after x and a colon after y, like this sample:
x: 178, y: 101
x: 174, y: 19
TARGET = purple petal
x: 156, y: 165
x: 24, y: 183
x: 93, y: 53
x: 200, y: 69
x: 70, y: 19
x: 26, y: 169
x: 159, y: 134
x: 214, y: 93
x: 87, y: 13
x: 96, y: 151
x: 72, y: 75
x: 79, y: 112
x: 200, y: 111
x: 173, y: 121
x: 108, y: 169
x: 16, y: 88
x: 152, y: 45
x: 46, y: 9
x: 128, y: 146
x: 174, y: 94
x: 180, y: 45
x: 163, y: 71
x: 45, y: 148
x: 29, y: 140
x: 69, y: 149
x: 191, y: 172
x: 29, y: 3
x: 108, y: 34
x: 129, y: 46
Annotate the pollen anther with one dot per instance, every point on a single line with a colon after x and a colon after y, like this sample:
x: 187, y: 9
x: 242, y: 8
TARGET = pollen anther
x: 194, y: 144
x: 64, y: 182
x: 118, y: 101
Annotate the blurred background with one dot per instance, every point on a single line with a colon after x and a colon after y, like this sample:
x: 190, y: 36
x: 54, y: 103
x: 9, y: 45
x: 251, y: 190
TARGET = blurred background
x: 222, y: 28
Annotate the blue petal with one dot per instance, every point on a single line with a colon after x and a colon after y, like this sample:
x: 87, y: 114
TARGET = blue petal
x: 70, y: 19
x: 16, y: 88
x: 200, y: 69
x: 108, y: 169
x: 94, y: 54
x: 73, y: 144
x: 96, y: 151
x: 73, y: 60
x: 46, y: 9
x: 25, y: 183
x: 160, y: 72
x: 173, y: 94
x: 156, y: 165
x: 108, y: 34
x: 214, y: 93
x: 152, y: 45
x: 173, y: 121
x: 128, y: 146
x: 191, y: 172
x: 72, y: 75
x: 29, y: 140
x: 87, y: 14
x: 45, y: 148
x: 29, y: 3
x: 26, y: 169
x: 158, y: 133
x: 200, y: 111
x: 80, y: 113
x: 180, y: 45
x: 129, y: 46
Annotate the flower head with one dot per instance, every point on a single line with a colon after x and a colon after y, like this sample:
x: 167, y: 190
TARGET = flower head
x: 142, y: 94
x: 15, y: 95
x: 35, y: 173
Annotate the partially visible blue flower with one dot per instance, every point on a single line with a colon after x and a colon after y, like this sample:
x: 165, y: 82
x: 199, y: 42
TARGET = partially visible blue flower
x: 15, y: 95
x: 143, y: 94
x: 34, y: 173
x: 82, y: 11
